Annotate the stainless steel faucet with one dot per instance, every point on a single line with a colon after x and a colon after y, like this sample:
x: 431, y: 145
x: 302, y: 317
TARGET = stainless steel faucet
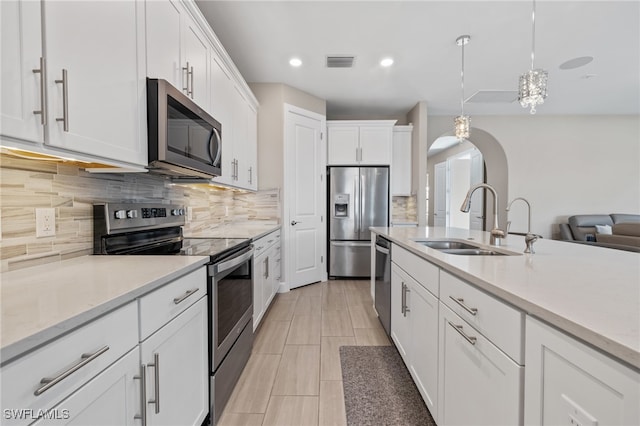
x: 529, y: 238
x: 497, y: 234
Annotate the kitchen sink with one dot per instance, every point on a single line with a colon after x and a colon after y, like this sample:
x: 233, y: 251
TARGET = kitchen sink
x: 459, y: 248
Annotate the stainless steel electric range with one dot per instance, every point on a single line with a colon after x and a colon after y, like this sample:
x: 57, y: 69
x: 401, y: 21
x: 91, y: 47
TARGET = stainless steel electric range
x: 129, y: 228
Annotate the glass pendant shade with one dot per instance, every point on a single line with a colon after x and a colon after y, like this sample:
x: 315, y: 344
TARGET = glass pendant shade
x: 532, y: 89
x: 462, y: 127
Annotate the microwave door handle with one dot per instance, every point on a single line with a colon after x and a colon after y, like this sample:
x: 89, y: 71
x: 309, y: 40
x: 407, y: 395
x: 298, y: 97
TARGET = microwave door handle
x: 216, y: 160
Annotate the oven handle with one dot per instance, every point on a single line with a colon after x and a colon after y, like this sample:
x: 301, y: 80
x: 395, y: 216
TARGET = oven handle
x: 232, y: 263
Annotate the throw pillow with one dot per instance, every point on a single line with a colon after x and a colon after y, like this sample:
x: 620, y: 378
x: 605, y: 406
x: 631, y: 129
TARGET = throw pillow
x: 603, y: 229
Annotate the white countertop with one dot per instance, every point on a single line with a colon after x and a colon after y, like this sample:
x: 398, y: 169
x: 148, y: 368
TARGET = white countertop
x: 592, y: 293
x: 41, y: 303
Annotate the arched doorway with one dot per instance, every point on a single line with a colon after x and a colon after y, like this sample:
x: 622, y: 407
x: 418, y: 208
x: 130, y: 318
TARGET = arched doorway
x: 496, y: 171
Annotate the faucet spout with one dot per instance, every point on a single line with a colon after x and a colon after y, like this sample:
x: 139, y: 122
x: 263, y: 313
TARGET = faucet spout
x: 497, y: 234
x: 530, y: 238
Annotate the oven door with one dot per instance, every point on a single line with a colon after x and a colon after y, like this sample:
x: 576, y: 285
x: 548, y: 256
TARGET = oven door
x: 231, y: 302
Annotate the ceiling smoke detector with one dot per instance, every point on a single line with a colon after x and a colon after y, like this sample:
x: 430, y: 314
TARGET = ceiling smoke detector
x: 340, y: 61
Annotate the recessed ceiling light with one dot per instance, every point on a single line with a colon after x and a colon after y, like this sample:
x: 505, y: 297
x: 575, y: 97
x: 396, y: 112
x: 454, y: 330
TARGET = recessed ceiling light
x: 576, y: 63
x: 295, y: 62
x: 386, y: 62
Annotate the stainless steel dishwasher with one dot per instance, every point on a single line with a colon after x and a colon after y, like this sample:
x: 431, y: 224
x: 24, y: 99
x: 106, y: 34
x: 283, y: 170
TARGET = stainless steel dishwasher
x: 383, y: 282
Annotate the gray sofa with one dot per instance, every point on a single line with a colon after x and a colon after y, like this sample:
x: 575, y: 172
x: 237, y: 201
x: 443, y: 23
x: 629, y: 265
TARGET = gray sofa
x: 617, y: 230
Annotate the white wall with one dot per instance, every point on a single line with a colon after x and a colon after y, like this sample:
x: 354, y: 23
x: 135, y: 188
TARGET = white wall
x: 564, y: 165
x: 460, y: 178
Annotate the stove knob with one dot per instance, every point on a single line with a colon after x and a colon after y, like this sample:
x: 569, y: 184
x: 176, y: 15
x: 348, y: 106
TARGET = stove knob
x: 132, y: 214
x: 121, y: 214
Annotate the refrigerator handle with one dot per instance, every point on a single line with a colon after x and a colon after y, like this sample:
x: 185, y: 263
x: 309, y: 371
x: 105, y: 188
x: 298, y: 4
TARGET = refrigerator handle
x: 356, y: 206
x: 362, y: 203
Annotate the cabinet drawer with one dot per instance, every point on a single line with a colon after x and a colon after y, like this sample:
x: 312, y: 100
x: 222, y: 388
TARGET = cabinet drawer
x: 263, y: 243
x: 160, y: 306
x: 499, y: 322
x: 426, y: 273
x: 105, y: 340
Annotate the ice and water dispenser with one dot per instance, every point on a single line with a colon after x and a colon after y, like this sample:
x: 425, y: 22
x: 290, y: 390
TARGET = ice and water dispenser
x: 341, y: 205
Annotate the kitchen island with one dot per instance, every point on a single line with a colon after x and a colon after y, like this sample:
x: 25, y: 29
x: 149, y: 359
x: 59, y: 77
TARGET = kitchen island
x: 559, y: 329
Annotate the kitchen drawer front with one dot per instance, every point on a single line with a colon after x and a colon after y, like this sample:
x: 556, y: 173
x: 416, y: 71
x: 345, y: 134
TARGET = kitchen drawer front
x: 160, y: 306
x: 426, y: 273
x: 105, y: 340
x: 499, y: 322
x: 263, y: 243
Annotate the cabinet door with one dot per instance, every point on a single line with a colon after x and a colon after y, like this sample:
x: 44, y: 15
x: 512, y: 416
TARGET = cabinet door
x: 177, y: 369
x: 375, y: 145
x: 163, y: 41
x: 240, y: 135
x: 111, y: 398
x: 401, y: 162
x: 424, y: 345
x: 100, y: 45
x: 259, y: 271
x: 342, y: 145
x: 195, y: 61
x: 21, y: 53
x: 251, y: 153
x: 400, y: 325
x: 568, y: 382
x: 478, y: 384
x: 222, y: 92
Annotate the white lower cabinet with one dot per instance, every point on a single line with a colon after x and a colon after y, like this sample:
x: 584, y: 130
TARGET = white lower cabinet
x: 111, y: 398
x: 479, y: 384
x: 414, y: 330
x: 266, y: 274
x: 567, y: 382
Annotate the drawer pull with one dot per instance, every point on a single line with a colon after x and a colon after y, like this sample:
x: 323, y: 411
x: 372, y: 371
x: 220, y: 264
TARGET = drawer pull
x: 180, y: 299
x: 143, y: 395
x: 460, y: 301
x: 458, y: 328
x: 85, y: 359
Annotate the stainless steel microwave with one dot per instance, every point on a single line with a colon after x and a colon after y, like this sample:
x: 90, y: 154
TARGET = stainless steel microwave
x: 184, y: 140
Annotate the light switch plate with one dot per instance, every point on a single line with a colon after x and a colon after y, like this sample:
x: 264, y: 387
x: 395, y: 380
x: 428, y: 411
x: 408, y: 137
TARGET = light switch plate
x: 45, y: 222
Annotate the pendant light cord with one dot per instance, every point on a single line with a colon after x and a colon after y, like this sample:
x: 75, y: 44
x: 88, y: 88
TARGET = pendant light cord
x: 533, y: 34
x: 462, y: 81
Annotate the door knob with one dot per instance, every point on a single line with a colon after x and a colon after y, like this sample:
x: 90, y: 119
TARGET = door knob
x: 293, y: 223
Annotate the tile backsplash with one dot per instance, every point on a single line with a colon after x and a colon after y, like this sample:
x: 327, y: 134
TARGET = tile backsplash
x: 29, y: 184
x: 404, y: 209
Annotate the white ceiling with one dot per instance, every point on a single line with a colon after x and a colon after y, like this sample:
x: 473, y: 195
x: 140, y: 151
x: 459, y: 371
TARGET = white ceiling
x: 261, y: 37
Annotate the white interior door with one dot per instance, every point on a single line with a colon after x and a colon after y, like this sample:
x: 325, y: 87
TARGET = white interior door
x: 476, y: 214
x: 440, y: 195
x: 304, y: 197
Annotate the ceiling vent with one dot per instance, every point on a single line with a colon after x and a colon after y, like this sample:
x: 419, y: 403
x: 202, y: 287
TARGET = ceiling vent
x: 493, y: 96
x: 340, y: 61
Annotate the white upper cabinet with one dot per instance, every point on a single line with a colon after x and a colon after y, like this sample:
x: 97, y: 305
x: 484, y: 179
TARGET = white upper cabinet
x: 401, y: 161
x: 177, y: 49
x: 95, y: 78
x: 252, y: 147
x: 21, y: 86
x: 359, y: 142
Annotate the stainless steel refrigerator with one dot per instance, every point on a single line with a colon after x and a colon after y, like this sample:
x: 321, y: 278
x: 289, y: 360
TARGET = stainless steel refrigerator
x: 358, y: 199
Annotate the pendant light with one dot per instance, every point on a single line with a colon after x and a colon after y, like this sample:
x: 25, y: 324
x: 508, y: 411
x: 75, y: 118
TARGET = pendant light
x: 462, y: 122
x: 532, y: 88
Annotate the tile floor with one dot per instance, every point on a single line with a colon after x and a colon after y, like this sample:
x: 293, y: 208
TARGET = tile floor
x: 293, y: 376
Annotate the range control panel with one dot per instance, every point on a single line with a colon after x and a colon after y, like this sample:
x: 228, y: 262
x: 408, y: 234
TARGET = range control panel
x: 110, y: 218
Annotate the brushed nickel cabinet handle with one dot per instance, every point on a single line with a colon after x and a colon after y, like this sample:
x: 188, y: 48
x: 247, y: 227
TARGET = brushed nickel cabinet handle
x: 65, y: 100
x: 191, y: 77
x: 458, y: 328
x: 85, y: 359
x: 186, y: 80
x: 43, y: 105
x: 460, y: 302
x: 156, y: 375
x: 180, y: 299
x: 143, y: 395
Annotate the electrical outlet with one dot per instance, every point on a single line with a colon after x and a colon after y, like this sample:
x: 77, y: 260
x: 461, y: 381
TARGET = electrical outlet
x: 45, y: 222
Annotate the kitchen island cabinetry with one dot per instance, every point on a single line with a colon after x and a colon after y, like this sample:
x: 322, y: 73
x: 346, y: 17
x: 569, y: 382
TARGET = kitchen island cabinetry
x: 352, y: 142
x: 568, y: 382
x: 414, y: 321
x: 266, y: 274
